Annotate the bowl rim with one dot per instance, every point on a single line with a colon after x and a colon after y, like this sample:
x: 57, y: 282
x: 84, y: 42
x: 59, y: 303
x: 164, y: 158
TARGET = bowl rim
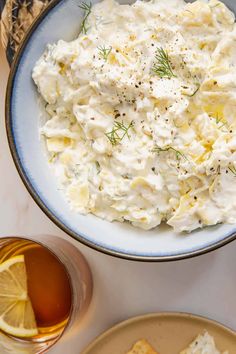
x: 155, y: 315
x: 13, y: 149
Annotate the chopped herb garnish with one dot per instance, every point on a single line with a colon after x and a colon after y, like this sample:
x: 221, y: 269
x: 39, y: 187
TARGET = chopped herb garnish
x: 162, y: 66
x: 220, y: 120
x: 118, y: 132
x: 218, y: 171
x: 233, y: 170
x: 212, y: 7
x: 178, y: 153
x: 87, y: 11
x: 189, y: 12
x: 53, y: 157
x: 98, y: 167
x: 194, y: 93
x: 104, y: 52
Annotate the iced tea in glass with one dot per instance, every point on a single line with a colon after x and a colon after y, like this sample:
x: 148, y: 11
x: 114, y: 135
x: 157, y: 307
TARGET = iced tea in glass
x: 44, y: 287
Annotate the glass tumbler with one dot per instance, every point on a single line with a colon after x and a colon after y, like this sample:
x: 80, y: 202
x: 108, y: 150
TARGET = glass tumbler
x: 45, y: 289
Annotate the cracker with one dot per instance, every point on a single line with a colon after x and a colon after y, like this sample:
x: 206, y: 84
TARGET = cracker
x: 142, y: 347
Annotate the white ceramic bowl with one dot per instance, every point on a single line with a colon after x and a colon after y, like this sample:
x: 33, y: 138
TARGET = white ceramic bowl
x: 62, y: 20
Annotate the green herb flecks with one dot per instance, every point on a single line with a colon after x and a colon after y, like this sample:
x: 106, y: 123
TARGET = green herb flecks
x: 221, y: 121
x: 189, y: 12
x: 104, y: 52
x: 87, y: 11
x: 53, y: 157
x: 196, y: 90
x: 233, y: 170
x: 162, y: 65
x: 98, y: 167
x: 119, y: 131
x: 178, y: 153
x: 212, y: 7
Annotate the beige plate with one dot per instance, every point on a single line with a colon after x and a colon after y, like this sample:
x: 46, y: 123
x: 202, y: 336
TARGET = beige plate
x: 168, y: 333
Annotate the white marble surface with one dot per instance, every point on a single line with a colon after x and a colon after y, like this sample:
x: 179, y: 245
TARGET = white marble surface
x: 205, y: 285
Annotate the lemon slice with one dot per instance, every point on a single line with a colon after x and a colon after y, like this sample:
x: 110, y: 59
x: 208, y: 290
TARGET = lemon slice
x: 16, y: 312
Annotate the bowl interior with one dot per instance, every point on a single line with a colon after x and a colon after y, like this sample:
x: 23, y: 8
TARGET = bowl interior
x: 62, y: 21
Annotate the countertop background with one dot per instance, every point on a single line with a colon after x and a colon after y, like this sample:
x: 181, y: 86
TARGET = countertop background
x: 205, y: 285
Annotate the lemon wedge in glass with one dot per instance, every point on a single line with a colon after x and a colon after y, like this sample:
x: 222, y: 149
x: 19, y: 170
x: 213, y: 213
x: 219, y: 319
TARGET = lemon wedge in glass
x: 16, y: 312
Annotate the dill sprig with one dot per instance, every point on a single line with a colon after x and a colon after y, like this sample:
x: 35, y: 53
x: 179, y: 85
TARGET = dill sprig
x: 52, y: 157
x: 189, y: 12
x: 119, y: 131
x: 198, y: 85
x: 178, y: 153
x: 220, y: 120
x: 162, y: 66
x: 98, y: 167
x: 104, y: 52
x: 212, y: 7
x: 233, y: 170
x: 87, y: 11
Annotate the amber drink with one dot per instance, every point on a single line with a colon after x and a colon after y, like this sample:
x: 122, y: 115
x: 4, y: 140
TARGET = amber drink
x: 44, y: 287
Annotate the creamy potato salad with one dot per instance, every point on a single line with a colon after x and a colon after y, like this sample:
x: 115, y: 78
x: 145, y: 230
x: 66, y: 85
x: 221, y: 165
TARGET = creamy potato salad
x: 141, y: 113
